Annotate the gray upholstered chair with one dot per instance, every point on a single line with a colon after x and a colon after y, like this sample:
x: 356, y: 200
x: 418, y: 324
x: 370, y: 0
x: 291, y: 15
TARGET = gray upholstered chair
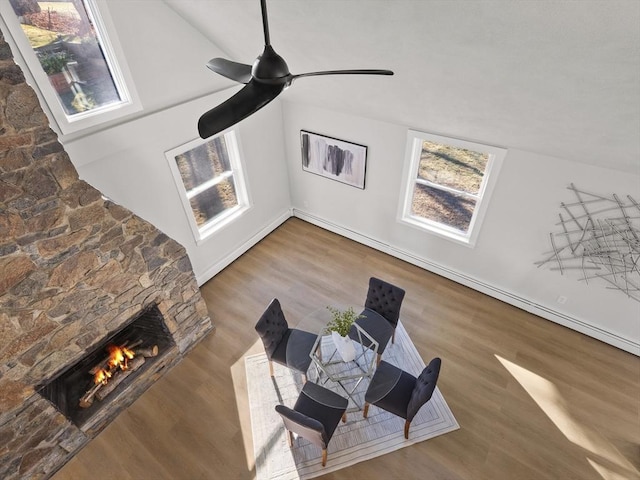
x: 380, y: 315
x: 399, y: 392
x: 287, y: 346
x: 315, y: 416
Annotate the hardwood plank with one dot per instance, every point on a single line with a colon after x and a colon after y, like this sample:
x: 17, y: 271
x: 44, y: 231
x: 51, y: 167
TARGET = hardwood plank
x: 534, y: 400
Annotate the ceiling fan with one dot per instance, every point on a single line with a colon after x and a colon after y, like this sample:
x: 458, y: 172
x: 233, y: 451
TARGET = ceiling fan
x: 264, y: 80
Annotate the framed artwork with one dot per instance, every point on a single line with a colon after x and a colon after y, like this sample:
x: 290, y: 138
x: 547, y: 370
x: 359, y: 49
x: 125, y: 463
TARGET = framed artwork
x: 336, y: 159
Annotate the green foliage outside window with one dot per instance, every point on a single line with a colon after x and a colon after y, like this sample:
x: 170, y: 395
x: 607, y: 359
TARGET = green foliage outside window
x: 53, y: 62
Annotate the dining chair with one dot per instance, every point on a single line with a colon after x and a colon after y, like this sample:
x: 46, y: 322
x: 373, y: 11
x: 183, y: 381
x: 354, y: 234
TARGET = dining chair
x: 290, y: 347
x: 399, y: 392
x: 315, y: 416
x: 380, y: 315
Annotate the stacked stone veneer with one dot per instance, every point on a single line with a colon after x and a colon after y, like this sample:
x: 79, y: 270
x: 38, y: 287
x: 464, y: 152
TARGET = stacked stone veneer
x: 73, y: 268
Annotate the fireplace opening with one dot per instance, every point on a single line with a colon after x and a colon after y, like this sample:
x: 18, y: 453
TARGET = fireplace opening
x: 88, y: 386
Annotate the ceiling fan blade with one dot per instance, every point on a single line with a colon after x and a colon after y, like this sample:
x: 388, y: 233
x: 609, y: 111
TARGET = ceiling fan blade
x: 341, y: 72
x: 239, y: 72
x: 250, y: 99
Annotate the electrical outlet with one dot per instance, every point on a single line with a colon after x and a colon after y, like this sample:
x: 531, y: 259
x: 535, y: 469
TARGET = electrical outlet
x: 561, y: 300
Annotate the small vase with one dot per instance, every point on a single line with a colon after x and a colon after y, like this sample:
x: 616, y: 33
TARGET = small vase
x: 344, y: 345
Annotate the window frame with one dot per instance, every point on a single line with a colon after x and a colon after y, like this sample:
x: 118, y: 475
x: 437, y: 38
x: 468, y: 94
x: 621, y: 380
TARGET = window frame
x: 24, y: 55
x: 236, y: 160
x: 410, y: 178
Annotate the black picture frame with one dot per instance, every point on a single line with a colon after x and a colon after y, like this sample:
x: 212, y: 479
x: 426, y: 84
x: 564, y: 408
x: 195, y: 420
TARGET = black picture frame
x: 333, y: 158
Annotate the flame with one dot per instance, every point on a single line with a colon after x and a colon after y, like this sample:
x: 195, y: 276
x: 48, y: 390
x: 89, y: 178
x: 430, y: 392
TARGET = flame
x: 118, y: 359
x: 102, y: 376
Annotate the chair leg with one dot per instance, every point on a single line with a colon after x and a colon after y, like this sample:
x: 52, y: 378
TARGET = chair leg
x: 324, y: 457
x: 406, y: 429
x: 378, y: 359
x: 365, y: 412
x: 271, y: 367
x: 344, y: 417
x: 290, y: 438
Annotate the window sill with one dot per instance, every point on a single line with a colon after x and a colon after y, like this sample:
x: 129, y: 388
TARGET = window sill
x: 206, y: 232
x: 423, y: 226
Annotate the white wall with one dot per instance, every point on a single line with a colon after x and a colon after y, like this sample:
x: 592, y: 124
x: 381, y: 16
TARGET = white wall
x: 523, y: 211
x: 166, y: 55
x: 127, y: 164
x: 126, y: 160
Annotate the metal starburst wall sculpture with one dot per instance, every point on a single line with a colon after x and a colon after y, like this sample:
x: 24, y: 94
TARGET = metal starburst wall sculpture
x: 600, y: 237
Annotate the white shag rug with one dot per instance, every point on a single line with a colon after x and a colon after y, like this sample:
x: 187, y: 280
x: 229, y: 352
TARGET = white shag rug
x: 356, y: 440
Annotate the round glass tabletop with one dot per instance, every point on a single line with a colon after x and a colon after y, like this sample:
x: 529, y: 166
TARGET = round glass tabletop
x: 351, y: 373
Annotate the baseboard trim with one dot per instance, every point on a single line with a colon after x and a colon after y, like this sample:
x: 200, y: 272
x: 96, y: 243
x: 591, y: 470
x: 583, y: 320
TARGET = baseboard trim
x: 227, y: 260
x: 476, y: 284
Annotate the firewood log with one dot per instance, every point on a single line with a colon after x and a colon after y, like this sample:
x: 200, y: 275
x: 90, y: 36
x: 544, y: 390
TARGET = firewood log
x: 134, y: 364
x: 87, y: 399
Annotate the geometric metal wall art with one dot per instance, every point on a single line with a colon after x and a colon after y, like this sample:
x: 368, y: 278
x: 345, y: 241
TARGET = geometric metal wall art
x: 600, y: 238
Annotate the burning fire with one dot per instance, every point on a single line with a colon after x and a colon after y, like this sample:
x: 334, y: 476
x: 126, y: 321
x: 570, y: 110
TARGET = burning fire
x: 118, y: 359
x: 102, y: 376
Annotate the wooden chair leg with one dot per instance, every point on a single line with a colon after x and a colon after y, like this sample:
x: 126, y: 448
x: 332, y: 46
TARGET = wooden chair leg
x: 324, y: 457
x: 378, y: 359
x: 365, y: 412
x: 271, y: 367
x: 290, y: 438
x: 344, y: 417
x: 406, y: 429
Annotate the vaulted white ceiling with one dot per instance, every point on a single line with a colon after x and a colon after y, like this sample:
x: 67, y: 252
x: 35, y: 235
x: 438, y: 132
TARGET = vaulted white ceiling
x: 556, y: 77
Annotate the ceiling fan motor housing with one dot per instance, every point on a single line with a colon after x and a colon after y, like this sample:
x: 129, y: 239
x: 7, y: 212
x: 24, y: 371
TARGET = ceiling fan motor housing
x: 270, y: 67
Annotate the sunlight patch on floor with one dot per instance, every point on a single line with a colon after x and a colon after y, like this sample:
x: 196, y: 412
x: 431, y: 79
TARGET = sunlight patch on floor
x: 607, y: 473
x: 239, y: 378
x: 549, y: 399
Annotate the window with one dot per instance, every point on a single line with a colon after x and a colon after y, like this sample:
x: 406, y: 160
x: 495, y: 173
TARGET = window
x: 209, y: 177
x: 447, y: 185
x: 66, y: 49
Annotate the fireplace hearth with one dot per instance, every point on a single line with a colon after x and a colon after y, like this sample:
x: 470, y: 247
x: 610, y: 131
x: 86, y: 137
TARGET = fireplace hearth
x: 146, y: 334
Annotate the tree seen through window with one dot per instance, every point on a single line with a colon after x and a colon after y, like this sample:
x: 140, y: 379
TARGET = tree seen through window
x: 207, y: 176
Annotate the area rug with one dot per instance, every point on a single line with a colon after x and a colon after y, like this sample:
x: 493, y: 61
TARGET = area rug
x: 356, y: 440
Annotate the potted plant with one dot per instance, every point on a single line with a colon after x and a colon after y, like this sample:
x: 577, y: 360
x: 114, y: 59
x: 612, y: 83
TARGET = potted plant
x: 339, y: 327
x: 53, y: 63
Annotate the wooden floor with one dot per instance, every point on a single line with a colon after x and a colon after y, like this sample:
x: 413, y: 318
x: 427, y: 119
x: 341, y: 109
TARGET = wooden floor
x: 534, y: 400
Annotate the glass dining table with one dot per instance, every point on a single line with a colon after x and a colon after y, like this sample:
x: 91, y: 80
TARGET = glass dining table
x: 351, y: 377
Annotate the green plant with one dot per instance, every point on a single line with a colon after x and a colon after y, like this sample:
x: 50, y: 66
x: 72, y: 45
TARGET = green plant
x: 342, y: 320
x: 54, y: 62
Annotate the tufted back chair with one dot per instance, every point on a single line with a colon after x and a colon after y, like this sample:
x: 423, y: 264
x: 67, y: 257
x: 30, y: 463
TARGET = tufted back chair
x: 425, y: 385
x: 272, y: 327
x: 315, y: 416
x: 385, y: 299
x: 304, y: 426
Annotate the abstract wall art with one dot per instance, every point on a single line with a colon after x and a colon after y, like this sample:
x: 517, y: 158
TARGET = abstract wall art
x: 339, y: 160
x: 599, y: 238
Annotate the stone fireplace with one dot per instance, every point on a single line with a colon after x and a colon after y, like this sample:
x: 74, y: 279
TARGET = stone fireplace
x: 77, y: 272
x: 74, y: 391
